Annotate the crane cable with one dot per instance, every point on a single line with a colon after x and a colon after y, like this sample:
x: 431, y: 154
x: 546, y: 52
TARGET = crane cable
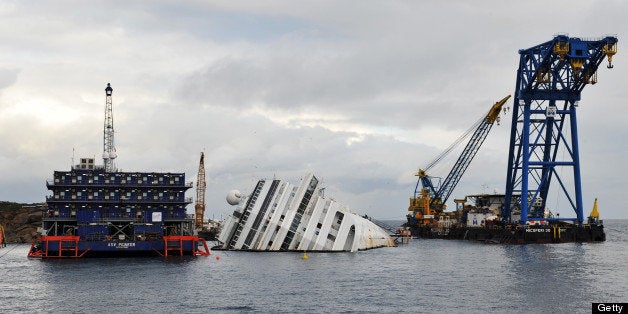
x: 455, y: 143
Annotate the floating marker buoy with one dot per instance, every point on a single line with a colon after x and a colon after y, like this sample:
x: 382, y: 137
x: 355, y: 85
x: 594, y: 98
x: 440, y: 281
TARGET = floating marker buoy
x: 304, y: 255
x: 217, y: 257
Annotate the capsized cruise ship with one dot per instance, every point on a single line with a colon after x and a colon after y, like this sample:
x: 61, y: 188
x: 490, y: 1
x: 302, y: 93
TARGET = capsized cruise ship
x: 279, y: 216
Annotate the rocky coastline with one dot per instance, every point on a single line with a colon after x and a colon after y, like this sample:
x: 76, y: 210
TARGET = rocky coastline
x: 20, y: 221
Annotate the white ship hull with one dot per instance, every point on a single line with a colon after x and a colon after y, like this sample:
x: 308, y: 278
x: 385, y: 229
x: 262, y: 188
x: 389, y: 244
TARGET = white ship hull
x: 279, y: 216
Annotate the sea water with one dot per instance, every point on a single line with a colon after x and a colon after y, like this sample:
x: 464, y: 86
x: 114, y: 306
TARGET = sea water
x: 424, y: 276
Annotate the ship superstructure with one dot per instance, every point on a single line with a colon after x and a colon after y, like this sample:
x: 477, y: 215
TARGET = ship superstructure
x: 95, y: 210
x: 279, y: 216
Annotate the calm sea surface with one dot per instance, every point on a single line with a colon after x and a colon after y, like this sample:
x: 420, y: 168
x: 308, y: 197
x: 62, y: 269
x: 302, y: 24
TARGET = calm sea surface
x: 423, y: 276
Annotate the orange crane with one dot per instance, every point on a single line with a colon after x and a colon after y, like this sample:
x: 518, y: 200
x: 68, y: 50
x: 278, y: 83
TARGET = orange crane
x: 3, y: 241
x: 201, y: 184
x: 429, y: 200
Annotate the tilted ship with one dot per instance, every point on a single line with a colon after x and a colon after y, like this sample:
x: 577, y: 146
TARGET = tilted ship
x: 279, y: 216
x: 98, y: 211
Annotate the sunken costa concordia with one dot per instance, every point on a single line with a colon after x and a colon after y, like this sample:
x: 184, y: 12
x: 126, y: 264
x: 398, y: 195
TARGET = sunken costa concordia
x: 280, y: 216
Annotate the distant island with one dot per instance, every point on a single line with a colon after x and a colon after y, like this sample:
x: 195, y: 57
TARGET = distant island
x: 20, y: 221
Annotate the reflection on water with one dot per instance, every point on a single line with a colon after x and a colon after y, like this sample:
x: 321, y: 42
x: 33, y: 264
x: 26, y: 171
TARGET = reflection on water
x: 424, y: 276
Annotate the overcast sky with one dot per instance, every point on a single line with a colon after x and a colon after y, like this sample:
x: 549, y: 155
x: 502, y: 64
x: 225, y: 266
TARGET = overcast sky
x: 362, y: 93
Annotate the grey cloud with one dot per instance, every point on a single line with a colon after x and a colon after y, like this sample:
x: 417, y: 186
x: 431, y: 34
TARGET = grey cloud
x: 187, y: 77
x: 8, y: 77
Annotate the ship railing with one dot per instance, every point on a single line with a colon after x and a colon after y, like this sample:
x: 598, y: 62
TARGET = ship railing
x: 71, y: 181
x: 381, y: 224
x: 143, y: 236
x: 58, y: 215
x: 105, y: 220
x: 59, y: 218
x: 100, y: 199
x: 134, y: 219
x: 116, y: 184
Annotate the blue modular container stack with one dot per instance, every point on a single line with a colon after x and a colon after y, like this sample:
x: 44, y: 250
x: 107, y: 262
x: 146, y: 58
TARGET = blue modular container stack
x: 117, y: 211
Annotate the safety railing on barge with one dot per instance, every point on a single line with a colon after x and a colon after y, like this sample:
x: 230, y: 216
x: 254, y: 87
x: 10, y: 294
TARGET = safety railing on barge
x: 68, y: 247
x: 176, y: 243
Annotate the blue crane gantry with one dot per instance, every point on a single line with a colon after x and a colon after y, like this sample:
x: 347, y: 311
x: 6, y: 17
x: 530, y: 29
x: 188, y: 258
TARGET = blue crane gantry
x: 550, y: 78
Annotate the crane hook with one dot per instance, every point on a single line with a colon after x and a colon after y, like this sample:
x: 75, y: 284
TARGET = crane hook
x: 610, y: 65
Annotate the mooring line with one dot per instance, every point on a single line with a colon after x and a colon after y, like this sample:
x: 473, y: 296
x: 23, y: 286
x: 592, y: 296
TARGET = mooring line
x: 13, y: 248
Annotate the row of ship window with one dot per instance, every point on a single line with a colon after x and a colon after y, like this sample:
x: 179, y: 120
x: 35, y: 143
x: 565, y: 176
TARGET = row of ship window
x: 331, y: 236
x: 148, y: 179
x: 116, y: 207
x: 133, y: 195
x: 122, y: 213
x: 117, y: 192
x: 123, y: 198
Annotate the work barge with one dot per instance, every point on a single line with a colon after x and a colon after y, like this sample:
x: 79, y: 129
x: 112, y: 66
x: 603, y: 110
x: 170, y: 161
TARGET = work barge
x: 480, y: 221
x: 99, y: 211
x: 543, y: 153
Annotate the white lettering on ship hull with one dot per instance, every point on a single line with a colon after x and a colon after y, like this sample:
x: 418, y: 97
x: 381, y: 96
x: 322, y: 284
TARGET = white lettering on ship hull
x: 121, y: 245
x: 539, y: 230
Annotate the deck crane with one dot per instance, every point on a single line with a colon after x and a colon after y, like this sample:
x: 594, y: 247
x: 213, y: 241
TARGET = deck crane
x: 429, y: 199
x: 199, y: 207
x: 544, y: 137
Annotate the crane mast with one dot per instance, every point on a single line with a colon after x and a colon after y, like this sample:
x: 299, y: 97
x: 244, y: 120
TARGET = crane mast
x: 543, y: 158
x: 550, y: 79
x: 109, y: 149
x: 199, y: 207
x: 464, y: 160
x: 429, y: 200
